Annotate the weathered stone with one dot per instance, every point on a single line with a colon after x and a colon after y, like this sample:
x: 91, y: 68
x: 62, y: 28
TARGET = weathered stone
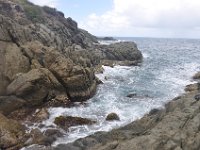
x: 46, y: 59
x: 112, y: 117
x: 53, y: 133
x: 68, y: 121
x: 123, y: 51
x: 9, y: 104
x: 79, y: 82
x: 37, y: 137
x: 60, y: 100
x: 192, y: 87
x: 12, y: 62
x: 11, y: 133
x: 34, y: 86
x: 40, y: 115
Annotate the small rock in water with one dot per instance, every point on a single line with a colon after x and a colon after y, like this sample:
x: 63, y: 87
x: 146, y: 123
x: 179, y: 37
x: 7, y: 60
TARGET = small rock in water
x: 106, y: 78
x: 112, y: 116
x: 131, y: 95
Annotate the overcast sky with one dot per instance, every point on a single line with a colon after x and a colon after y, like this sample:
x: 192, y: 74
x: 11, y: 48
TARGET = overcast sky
x: 133, y: 18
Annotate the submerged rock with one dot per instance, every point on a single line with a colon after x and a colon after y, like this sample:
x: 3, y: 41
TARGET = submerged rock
x: 131, y: 95
x: 135, y: 95
x: 112, y: 117
x: 67, y: 121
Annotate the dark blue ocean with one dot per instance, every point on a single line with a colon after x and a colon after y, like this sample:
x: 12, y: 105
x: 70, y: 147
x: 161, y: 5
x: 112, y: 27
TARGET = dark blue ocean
x: 167, y: 67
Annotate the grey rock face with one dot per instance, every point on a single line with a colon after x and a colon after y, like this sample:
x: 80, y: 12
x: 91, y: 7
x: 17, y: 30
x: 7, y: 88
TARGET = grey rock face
x: 43, y: 54
x: 46, y: 60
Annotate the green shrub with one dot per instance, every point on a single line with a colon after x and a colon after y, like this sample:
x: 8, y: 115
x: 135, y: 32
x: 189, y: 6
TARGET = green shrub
x: 32, y: 12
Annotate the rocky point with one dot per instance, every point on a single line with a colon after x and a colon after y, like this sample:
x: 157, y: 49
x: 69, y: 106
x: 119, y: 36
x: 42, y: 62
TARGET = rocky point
x: 47, y: 60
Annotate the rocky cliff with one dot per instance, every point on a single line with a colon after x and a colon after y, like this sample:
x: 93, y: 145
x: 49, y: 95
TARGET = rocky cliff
x: 45, y: 59
x: 44, y: 54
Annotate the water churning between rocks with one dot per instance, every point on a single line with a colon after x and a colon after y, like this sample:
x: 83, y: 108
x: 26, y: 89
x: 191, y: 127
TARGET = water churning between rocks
x: 168, y: 66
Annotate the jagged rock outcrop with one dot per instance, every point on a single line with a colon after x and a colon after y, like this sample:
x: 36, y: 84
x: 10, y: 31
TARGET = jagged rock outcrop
x: 44, y: 55
x: 46, y: 60
x: 11, y: 133
x: 35, y: 86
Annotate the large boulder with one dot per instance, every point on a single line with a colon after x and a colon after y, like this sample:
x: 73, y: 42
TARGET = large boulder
x: 80, y: 83
x: 11, y: 133
x: 123, y: 51
x: 12, y: 62
x: 35, y: 86
x: 10, y: 103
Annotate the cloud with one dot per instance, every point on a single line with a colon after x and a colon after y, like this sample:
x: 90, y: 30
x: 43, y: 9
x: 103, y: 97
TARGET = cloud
x: 134, y: 17
x: 51, y: 3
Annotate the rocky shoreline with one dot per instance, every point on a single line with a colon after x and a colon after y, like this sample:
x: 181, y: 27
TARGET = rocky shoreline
x: 46, y: 60
x: 177, y: 127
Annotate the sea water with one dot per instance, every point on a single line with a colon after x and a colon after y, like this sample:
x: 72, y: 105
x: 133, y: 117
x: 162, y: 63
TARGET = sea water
x: 168, y: 65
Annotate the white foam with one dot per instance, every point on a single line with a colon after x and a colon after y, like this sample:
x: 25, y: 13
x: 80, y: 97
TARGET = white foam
x: 145, y: 55
x: 177, y: 80
x: 108, y: 42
